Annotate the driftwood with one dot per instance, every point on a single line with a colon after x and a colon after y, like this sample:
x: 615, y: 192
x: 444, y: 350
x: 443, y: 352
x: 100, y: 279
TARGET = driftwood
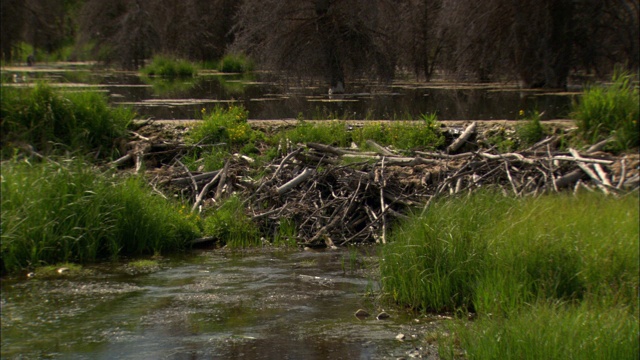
x: 339, y: 196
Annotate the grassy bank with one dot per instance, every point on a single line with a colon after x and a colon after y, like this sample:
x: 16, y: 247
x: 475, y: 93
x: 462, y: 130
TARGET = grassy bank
x: 610, y: 111
x: 521, y: 265
x: 52, y: 121
x: 69, y: 212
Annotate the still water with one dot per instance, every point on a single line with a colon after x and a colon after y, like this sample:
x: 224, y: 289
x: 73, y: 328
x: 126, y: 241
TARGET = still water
x: 267, y: 96
x: 211, y: 305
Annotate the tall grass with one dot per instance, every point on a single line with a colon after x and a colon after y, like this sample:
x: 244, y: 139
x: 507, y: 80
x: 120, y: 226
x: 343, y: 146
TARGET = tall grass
x: 230, y: 225
x: 612, y: 110
x: 535, y: 270
x: 234, y: 63
x: 48, y: 119
x: 548, y: 331
x: 69, y: 212
x: 169, y: 67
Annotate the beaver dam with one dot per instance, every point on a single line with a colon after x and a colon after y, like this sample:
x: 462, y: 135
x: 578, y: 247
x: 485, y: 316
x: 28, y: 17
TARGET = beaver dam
x: 339, y: 196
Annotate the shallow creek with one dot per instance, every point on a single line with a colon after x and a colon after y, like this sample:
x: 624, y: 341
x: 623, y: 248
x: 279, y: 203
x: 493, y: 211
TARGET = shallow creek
x: 211, y: 305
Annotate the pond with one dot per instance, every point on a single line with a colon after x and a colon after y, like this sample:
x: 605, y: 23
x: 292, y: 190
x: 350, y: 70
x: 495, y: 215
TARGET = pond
x: 267, y: 96
x: 272, y: 304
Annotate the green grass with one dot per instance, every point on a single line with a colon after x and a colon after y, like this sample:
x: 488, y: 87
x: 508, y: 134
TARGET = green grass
x: 69, y: 212
x: 399, y: 134
x: 537, y: 271
x: 547, y: 331
x: 229, y: 224
x: 53, y: 121
x: 234, y: 63
x: 613, y: 110
x: 168, y: 67
x: 225, y: 125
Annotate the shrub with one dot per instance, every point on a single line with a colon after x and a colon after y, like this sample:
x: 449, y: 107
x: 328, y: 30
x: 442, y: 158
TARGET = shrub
x: 45, y: 118
x: 69, y: 212
x: 610, y: 111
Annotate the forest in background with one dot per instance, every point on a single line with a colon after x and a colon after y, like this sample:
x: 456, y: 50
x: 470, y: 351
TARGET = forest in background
x: 539, y: 43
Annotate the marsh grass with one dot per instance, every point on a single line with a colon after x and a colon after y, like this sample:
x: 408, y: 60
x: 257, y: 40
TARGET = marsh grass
x: 229, y: 224
x: 69, y: 212
x: 169, y: 67
x: 522, y: 264
x: 235, y: 63
x: 613, y: 110
x: 52, y: 121
x: 286, y: 234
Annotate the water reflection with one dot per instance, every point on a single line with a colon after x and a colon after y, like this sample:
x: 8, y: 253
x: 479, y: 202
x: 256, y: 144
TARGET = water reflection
x: 267, y: 96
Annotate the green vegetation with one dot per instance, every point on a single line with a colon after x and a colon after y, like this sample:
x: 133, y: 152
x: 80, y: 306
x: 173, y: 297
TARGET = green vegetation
x: 229, y: 224
x: 51, y: 120
x: 404, y: 135
x: 529, y: 131
x: 522, y: 264
x: 613, y: 110
x: 224, y: 125
x: 169, y: 68
x: 69, y: 212
x: 234, y: 63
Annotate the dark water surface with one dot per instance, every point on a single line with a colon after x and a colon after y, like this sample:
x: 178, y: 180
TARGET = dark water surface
x: 269, y: 97
x: 210, y: 305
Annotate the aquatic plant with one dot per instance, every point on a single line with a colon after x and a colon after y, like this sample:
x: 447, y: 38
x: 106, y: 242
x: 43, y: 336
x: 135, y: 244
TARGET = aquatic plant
x: 610, y: 111
x: 235, y: 63
x: 169, y: 67
x: 50, y: 120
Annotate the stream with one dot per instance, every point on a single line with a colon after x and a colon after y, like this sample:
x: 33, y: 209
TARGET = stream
x: 212, y: 304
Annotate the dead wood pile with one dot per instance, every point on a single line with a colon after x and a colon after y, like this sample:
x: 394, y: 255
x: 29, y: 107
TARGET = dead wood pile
x: 341, y: 196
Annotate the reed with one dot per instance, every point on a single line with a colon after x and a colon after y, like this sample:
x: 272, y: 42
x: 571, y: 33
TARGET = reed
x: 68, y: 212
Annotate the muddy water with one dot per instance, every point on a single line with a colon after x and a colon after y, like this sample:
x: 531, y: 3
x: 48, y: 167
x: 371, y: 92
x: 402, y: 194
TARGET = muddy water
x: 210, y: 305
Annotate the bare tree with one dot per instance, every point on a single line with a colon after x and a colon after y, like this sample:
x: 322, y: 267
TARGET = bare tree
x: 12, y: 14
x: 329, y: 38
x: 420, y: 39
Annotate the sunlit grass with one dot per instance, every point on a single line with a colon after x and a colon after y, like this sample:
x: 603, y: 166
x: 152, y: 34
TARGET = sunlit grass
x: 536, y: 271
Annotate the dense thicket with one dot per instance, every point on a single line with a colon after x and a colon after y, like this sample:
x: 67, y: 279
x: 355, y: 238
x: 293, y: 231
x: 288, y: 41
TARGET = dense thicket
x: 539, y: 43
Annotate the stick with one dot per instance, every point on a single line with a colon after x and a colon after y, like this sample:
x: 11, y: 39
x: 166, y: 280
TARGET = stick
x: 462, y: 138
x: 379, y: 148
x: 204, y: 191
x: 294, y: 182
